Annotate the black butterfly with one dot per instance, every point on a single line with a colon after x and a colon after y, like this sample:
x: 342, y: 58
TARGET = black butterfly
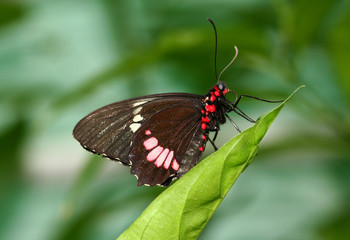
x: 162, y: 136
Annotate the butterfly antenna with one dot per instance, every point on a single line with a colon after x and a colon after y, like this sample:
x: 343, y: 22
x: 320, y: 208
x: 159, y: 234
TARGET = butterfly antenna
x: 233, y: 59
x: 216, y: 47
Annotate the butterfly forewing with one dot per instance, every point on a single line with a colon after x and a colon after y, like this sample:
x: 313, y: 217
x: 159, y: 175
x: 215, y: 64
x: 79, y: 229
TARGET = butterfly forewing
x: 107, y: 130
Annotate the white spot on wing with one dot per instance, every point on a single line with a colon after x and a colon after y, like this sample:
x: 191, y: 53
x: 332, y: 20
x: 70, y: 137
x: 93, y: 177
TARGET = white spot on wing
x: 137, y: 110
x: 139, y: 103
x: 135, y: 126
x: 137, y: 118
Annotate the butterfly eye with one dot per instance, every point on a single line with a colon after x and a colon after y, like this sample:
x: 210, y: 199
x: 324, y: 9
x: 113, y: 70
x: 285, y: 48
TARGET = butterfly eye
x: 221, y: 86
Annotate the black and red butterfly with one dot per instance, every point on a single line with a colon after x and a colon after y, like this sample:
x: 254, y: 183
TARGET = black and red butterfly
x: 162, y: 136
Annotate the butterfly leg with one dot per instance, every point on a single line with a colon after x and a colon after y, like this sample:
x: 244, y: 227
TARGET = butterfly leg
x: 237, y: 110
x: 242, y: 114
x: 233, y: 107
x: 260, y: 99
x: 213, y: 144
x: 233, y: 123
x: 216, y: 132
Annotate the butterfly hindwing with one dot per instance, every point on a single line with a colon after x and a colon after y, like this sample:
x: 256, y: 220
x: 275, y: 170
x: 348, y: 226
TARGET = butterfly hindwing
x: 167, y: 146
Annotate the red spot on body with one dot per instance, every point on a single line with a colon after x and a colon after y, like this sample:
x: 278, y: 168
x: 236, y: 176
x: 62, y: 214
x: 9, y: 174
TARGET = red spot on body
x: 203, y: 126
x: 168, y: 160
x: 148, y: 132
x: 204, y: 137
x: 150, y: 143
x: 212, y: 98
x: 154, y: 153
x: 217, y: 93
x: 216, y: 88
x: 210, y: 108
x: 161, y: 158
x: 202, y: 111
x: 175, y: 165
x: 225, y: 91
x: 201, y: 149
x: 205, y: 119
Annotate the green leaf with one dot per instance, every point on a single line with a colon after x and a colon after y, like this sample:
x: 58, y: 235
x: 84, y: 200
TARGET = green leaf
x: 184, y: 209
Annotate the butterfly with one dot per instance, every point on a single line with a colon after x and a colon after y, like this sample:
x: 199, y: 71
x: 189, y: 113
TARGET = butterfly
x: 161, y: 136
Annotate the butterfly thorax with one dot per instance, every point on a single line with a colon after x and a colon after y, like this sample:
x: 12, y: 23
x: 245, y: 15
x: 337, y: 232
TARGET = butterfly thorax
x: 213, y: 112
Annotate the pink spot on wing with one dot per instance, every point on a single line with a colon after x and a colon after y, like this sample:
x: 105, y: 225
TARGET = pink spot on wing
x: 148, y: 132
x: 175, y: 165
x: 150, y: 143
x: 168, y: 160
x: 161, y: 158
x: 154, y: 154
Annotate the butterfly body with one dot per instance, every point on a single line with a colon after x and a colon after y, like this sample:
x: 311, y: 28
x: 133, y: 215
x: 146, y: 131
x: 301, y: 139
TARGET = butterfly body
x: 161, y: 137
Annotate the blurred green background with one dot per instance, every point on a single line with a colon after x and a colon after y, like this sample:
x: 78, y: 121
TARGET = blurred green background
x: 59, y: 60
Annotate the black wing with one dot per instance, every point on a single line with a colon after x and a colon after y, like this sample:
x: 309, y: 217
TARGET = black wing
x: 121, y: 131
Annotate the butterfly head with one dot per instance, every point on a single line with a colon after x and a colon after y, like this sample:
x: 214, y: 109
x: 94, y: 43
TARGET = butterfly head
x: 220, y: 89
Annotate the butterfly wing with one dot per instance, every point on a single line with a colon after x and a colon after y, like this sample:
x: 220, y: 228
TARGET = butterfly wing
x: 157, y: 135
x: 167, y: 145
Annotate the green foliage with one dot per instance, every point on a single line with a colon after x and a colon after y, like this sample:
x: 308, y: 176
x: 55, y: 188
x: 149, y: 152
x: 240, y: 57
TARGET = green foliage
x: 184, y: 209
x: 60, y: 60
